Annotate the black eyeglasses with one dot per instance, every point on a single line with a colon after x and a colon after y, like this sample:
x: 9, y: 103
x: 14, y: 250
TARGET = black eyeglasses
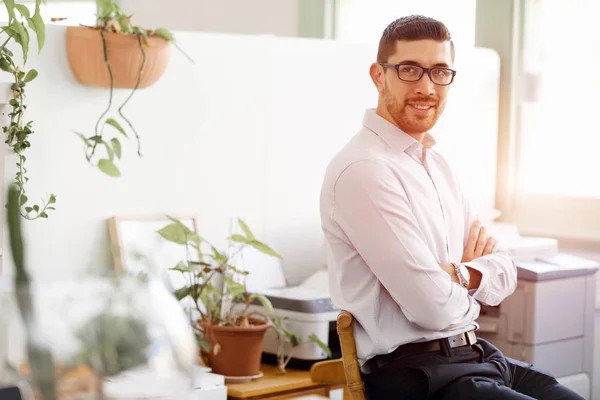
x: 412, y: 73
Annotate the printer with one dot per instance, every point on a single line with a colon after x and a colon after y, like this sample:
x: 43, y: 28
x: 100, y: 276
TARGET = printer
x: 549, y: 320
x: 308, y: 310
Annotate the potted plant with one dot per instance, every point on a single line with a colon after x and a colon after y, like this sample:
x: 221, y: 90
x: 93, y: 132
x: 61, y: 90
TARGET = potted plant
x: 17, y: 131
x: 229, y: 331
x: 113, y: 54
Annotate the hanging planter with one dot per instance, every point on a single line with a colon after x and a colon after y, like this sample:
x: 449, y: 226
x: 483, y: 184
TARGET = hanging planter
x: 113, y: 54
x: 86, y: 52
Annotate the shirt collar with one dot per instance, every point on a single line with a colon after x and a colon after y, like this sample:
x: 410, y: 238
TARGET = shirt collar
x: 395, y: 137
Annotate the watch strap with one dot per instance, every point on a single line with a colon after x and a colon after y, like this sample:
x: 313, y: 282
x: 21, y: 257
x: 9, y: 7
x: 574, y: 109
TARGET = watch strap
x: 461, y: 278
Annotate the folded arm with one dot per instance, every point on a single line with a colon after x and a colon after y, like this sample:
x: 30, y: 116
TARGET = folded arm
x: 372, y: 209
x: 493, y: 275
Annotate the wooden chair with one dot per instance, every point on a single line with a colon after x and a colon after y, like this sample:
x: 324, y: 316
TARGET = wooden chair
x: 345, y: 370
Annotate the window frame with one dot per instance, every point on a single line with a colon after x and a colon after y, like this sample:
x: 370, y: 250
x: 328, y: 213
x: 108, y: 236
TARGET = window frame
x: 558, y: 216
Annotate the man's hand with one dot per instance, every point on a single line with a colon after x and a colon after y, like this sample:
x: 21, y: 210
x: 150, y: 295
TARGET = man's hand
x: 478, y: 244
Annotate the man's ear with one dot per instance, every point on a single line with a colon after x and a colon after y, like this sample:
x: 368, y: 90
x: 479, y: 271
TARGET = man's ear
x: 377, y: 75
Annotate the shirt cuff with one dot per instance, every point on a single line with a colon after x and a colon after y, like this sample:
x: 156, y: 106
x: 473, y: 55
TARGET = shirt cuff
x: 480, y: 294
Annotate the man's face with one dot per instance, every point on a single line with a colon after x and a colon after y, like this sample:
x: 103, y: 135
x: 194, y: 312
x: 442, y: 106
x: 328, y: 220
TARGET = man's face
x: 415, y: 107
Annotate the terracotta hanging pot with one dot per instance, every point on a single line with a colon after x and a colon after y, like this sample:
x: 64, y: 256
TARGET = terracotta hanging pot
x: 85, y: 51
x: 240, y: 349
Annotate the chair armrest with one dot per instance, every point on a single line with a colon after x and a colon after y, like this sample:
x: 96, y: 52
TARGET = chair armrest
x: 329, y: 372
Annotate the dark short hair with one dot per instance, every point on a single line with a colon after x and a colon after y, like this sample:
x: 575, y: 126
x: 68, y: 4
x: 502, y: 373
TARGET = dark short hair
x: 412, y: 27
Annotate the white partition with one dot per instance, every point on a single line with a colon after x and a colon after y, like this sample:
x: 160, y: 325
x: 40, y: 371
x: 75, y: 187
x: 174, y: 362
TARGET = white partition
x: 245, y: 131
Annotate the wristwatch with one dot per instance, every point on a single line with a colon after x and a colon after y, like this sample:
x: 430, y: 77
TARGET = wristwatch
x: 463, y: 274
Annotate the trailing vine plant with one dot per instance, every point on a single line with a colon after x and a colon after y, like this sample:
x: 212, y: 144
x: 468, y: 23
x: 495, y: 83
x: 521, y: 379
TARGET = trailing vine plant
x: 17, y: 132
x: 110, y: 18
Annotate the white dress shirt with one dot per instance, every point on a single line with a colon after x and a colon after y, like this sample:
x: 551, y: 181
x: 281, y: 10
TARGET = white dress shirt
x: 391, y: 211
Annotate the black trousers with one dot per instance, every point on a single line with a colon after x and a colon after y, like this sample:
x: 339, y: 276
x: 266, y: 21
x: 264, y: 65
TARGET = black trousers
x: 471, y: 372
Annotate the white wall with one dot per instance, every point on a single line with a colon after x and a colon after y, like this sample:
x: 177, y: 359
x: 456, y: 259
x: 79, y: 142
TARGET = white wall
x: 277, y: 17
x: 248, y: 138
x: 219, y: 139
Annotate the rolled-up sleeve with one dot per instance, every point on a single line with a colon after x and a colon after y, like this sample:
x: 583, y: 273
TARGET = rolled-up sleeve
x: 372, y: 209
x: 498, y: 270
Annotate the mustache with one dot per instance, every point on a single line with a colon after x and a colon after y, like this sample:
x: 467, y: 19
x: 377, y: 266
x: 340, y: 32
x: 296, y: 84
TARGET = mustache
x: 422, y: 99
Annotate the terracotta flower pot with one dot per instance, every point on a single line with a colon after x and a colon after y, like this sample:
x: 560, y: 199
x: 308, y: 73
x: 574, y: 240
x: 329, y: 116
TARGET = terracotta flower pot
x: 86, y: 58
x: 240, y: 348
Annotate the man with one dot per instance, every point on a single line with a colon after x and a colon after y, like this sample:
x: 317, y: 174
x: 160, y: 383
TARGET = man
x: 406, y: 256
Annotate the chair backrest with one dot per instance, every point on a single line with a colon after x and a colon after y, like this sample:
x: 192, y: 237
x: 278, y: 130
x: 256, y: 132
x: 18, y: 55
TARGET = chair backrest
x: 354, y: 383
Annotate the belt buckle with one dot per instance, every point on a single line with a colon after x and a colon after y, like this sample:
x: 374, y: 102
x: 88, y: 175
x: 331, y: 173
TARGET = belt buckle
x: 462, y: 339
x: 471, y: 337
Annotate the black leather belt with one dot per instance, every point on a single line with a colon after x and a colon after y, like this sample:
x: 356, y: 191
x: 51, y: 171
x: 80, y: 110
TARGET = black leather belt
x: 462, y: 339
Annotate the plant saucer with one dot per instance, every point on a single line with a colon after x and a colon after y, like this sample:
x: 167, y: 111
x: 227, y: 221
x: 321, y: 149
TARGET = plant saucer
x: 242, y: 379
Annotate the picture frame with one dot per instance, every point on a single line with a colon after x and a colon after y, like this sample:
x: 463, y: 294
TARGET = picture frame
x: 137, y: 247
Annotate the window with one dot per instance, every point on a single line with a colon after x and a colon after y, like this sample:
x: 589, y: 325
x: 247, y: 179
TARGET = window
x: 75, y: 12
x: 558, y: 167
x: 560, y: 136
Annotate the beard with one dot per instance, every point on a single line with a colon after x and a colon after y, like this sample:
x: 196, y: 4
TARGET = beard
x: 407, y: 119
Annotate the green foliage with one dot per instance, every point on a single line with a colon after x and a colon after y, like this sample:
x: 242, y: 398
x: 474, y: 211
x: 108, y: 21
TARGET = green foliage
x: 18, y: 132
x: 209, y: 298
x: 112, y: 344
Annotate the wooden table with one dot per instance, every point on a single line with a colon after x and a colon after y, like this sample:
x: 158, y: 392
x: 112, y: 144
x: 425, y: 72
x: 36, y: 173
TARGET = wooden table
x: 275, y: 385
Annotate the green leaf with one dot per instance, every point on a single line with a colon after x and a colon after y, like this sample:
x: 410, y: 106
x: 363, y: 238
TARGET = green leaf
x: 23, y: 199
x: 173, y: 233
x: 44, y: 215
x: 234, y: 288
x: 264, y: 248
x: 10, y: 8
x: 164, y: 33
x: 23, y: 10
x: 105, y: 8
x: 218, y: 257
x: 239, y: 239
x: 124, y: 23
x: 246, y: 229
x: 108, y: 167
x: 234, y: 269
x: 5, y: 65
x: 322, y: 345
x: 191, y: 236
x: 36, y: 208
x: 266, y: 303
x: 109, y: 151
x: 22, y: 37
x: 28, y: 209
x: 31, y: 75
x: 52, y: 199
x: 182, y: 267
x: 83, y: 137
x: 116, y: 145
x: 182, y: 293
x: 36, y: 24
x: 116, y: 125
